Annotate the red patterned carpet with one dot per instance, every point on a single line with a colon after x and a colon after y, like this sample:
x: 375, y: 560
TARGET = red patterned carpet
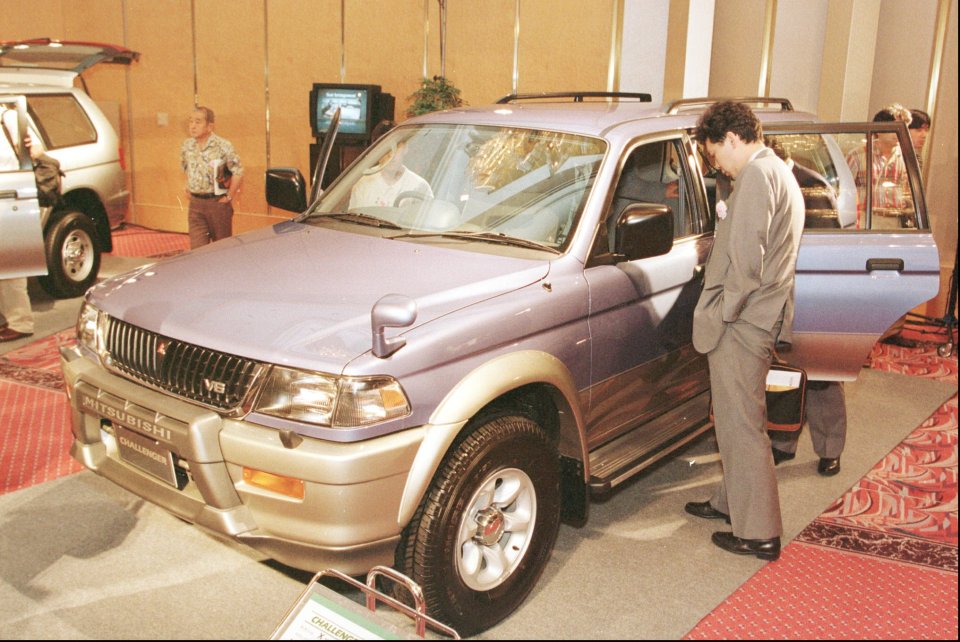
x: 34, y: 416
x: 133, y: 240
x: 859, y: 570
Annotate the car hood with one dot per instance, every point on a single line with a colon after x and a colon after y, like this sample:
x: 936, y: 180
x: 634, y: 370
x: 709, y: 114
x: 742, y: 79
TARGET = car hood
x: 300, y: 295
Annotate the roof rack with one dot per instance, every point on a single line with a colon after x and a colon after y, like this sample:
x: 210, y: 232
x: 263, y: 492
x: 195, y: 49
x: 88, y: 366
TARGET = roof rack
x: 690, y: 103
x: 577, y: 96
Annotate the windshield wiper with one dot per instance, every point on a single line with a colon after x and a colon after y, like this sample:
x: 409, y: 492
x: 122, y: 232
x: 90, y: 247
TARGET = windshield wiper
x: 351, y: 217
x: 486, y: 237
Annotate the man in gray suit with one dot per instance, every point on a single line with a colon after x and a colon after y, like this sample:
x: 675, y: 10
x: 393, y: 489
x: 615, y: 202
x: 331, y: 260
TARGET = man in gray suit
x: 745, y: 309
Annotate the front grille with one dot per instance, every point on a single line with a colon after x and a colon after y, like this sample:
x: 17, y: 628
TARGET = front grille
x: 212, y: 378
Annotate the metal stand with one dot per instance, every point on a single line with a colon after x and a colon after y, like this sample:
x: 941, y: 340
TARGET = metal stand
x: 324, y: 613
x: 950, y: 315
x: 949, y: 320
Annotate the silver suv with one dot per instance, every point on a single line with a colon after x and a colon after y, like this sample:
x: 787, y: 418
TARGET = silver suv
x: 38, y: 97
x: 480, y: 324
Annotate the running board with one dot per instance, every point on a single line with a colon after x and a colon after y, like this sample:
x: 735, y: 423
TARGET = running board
x: 619, y: 460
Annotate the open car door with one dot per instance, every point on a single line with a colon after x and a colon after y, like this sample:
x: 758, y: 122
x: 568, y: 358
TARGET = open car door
x: 867, y: 256
x: 21, y: 237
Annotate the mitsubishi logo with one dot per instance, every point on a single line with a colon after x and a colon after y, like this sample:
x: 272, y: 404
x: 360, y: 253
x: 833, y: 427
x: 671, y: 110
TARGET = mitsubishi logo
x: 162, y: 347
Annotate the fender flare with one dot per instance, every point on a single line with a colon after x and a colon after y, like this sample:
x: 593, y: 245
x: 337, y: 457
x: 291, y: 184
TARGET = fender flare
x: 477, y: 389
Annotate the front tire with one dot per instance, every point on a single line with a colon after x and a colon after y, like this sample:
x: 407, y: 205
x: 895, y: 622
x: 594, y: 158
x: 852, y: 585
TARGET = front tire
x: 482, y: 536
x: 73, y: 256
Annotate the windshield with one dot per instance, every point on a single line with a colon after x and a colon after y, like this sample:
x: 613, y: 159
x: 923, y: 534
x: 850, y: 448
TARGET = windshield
x: 515, y: 186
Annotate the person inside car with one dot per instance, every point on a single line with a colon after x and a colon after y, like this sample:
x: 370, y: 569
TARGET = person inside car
x: 892, y: 199
x: 386, y: 181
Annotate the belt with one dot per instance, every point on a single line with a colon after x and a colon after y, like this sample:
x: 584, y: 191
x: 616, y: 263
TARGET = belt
x: 205, y: 195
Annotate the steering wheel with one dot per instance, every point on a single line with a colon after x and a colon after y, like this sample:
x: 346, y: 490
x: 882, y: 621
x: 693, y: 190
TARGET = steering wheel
x: 402, y: 196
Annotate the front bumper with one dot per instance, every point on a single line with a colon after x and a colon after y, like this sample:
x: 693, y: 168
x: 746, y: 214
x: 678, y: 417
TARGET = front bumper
x: 348, y: 518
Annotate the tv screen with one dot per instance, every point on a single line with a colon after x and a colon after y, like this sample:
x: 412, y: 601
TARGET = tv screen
x: 356, y: 103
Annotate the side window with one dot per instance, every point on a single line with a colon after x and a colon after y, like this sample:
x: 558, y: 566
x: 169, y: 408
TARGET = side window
x: 8, y: 155
x: 653, y: 174
x: 851, y: 180
x: 881, y: 181
x: 9, y: 133
x: 61, y: 120
x: 821, y: 179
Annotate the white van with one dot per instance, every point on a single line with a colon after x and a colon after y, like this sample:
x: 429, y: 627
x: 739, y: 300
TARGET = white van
x: 38, y: 97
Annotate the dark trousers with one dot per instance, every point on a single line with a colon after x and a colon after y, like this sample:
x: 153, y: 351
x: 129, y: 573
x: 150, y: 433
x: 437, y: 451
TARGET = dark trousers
x: 826, y: 411
x: 209, y: 220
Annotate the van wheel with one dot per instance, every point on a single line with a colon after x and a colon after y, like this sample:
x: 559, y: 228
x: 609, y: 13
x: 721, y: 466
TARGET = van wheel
x: 73, y: 256
x: 482, y: 536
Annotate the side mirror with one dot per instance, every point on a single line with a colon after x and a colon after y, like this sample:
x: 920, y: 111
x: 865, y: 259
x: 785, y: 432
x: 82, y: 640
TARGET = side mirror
x: 286, y: 189
x: 644, y: 230
x: 391, y: 311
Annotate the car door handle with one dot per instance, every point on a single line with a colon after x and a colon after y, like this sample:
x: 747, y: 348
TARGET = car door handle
x: 885, y: 264
x: 8, y: 194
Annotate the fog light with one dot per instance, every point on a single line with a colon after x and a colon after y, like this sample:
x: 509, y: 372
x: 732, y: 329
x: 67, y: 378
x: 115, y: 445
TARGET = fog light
x: 277, y: 483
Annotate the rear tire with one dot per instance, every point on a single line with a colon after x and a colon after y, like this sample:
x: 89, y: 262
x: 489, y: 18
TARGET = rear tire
x: 73, y: 255
x: 484, y: 533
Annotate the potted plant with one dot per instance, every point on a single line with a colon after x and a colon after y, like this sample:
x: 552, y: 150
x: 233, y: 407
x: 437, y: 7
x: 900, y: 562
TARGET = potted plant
x: 434, y: 94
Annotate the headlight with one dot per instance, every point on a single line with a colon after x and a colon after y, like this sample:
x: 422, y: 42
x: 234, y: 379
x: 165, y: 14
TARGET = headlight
x: 88, y: 326
x: 326, y: 400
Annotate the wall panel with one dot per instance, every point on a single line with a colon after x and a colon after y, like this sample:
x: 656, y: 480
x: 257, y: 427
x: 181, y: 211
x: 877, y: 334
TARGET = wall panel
x: 564, y: 45
x: 798, y: 51
x: 25, y: 19
x: 384, y: 46
x: 737, y: 47
x: 231, y: 79
x: 901, y: 67
x: 303, y: 47
x: 161, y: 84
x: 479, y: 49
x: 643, y: 62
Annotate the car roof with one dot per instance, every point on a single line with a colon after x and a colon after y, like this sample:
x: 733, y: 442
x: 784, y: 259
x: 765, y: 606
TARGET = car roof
x: 600, y: 117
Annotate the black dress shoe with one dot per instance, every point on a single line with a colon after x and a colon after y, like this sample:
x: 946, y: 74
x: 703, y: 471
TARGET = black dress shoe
x: 705, y: 510
x: 9, y: 334
x: 781, y: 455
x: 828, y: 466
x: 765, y: 549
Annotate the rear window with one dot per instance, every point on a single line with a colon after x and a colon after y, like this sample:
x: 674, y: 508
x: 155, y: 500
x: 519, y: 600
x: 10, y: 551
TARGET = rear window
x: 61, y: 120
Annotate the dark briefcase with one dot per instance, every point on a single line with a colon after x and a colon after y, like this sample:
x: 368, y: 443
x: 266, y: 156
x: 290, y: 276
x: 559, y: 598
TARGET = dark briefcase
x: 786, y: 393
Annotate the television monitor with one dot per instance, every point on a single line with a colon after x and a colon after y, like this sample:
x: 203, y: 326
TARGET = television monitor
x: 357, y: 105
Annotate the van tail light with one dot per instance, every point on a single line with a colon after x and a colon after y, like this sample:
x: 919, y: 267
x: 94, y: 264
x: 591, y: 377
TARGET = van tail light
x: 123, y: 159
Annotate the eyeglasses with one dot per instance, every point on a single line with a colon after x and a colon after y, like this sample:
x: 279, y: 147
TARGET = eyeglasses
x: 707, y: 159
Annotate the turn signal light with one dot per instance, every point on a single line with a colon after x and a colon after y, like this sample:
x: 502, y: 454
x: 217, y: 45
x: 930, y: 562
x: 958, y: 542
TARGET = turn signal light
x: 277, y: 483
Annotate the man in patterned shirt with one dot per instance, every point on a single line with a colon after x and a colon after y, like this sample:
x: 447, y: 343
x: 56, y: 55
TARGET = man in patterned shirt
x: 204, y: 157
x: 892, y: 198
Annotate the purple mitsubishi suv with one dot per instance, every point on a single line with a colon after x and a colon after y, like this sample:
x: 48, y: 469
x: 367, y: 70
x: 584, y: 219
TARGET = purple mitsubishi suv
x: 481, y: 324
